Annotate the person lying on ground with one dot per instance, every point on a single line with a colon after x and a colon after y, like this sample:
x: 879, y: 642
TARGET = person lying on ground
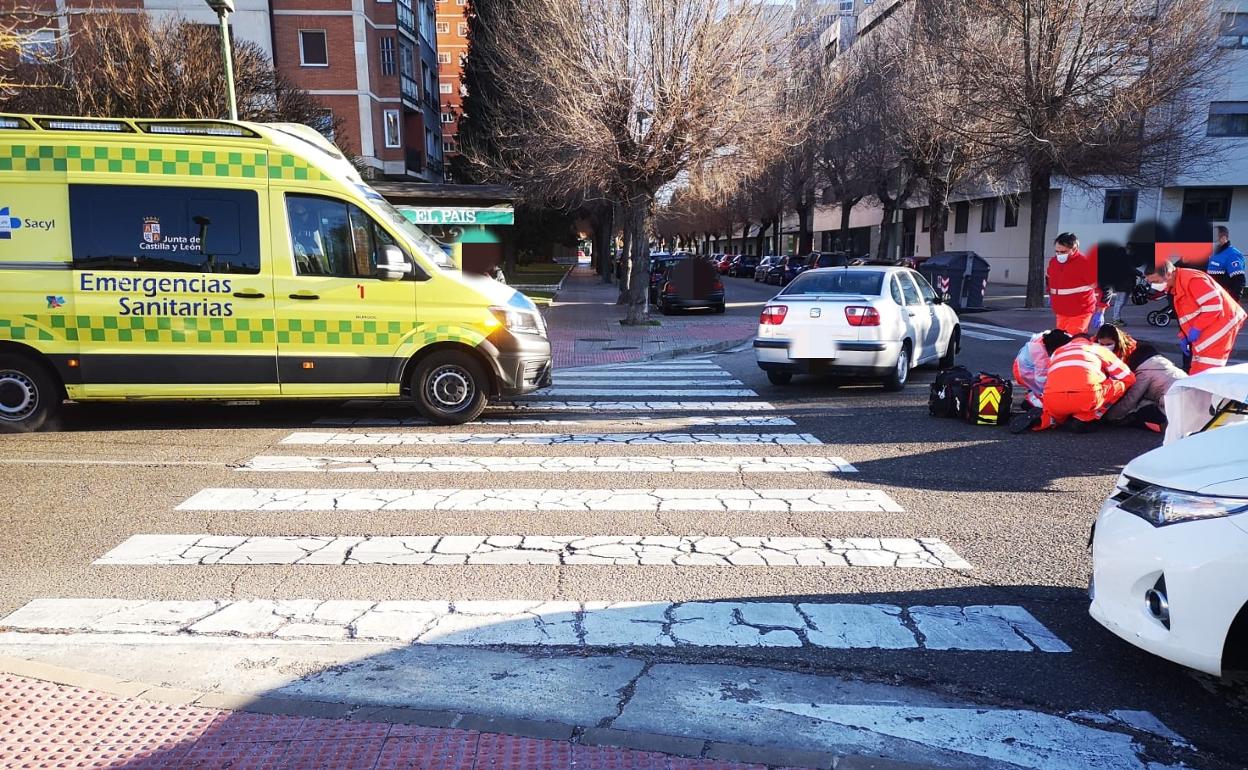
x: 1143, y: 405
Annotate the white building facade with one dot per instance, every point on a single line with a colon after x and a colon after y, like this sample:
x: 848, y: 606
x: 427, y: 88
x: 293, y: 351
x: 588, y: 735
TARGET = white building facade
x: 997, y: 226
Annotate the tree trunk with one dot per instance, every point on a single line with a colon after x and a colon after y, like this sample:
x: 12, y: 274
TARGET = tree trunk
x: 775, y: 235
x: 886, y: 230
x: 626, y: 260
x: 760, y: 240
x: 847, y: 208
x: 805, y: 229
x: 639, y: 295
x: 937, y: 212
x: 1037, y: 246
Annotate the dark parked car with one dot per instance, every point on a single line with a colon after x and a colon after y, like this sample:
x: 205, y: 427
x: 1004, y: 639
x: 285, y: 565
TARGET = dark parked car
x: 691, y: 283
x: 743, y: 266
x: 826, y: 259
x: 785, y: 270
x: 764, y: 266
x: 659, y: 262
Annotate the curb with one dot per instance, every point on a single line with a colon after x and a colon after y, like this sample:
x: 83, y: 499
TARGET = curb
x: 523, y: 728
x: 710, y: 347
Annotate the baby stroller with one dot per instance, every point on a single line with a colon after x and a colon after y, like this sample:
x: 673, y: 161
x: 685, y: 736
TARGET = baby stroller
x: 1166, y: 315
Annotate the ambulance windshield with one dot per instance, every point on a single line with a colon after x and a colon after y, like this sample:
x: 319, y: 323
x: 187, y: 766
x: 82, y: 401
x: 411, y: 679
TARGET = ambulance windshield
x: 419, y: 239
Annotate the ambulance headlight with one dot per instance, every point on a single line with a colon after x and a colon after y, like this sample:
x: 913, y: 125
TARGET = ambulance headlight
x: 1160, y: 506
x: 520, y: 321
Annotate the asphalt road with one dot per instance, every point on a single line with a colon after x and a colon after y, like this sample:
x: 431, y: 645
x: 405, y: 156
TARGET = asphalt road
x: 1017, y: 508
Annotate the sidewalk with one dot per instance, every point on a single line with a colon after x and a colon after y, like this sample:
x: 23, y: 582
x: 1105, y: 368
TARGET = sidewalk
x: 584, y: 327
x: 1006, y: 308
x: 47, y: 725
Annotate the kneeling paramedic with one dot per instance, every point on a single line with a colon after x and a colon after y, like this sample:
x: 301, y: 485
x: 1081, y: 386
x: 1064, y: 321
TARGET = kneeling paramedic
x: 1085, y: 379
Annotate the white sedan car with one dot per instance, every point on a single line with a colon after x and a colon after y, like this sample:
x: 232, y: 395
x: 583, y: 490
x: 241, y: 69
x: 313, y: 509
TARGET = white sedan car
x: 872, y: 322
x: 1170, y: 546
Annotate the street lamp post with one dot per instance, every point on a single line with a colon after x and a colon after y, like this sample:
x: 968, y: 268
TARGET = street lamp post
x: 223, y: 8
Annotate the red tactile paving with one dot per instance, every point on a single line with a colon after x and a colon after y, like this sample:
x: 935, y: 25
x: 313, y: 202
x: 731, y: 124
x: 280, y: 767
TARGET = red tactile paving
x: 44, y: 726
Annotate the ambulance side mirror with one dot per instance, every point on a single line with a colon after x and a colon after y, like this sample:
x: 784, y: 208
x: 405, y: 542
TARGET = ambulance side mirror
x: 392, y: 265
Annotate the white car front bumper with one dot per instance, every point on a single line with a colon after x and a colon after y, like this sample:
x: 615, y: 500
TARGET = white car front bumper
x: 1205, y: 569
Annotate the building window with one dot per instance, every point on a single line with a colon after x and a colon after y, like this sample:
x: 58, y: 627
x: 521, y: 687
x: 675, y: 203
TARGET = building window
x: 1120, y: 205
x: 1228, y: 118
x: 1234, y: 32
x: 446, y: 88
x: 444, y: 27
x: 988, y: 216
x: 444, y: 58
x: 449, y: 147
x: 462, y: 29
x: 925, y: 218
x: 961, y: 216
x: 386, y: 42
x: 448, y: 117
x: 461, y: 2
x: 390, y: 122
x: 1212, y: 203
x: 1011, y: 211
x: 313, y: 52
x: 38, y: 46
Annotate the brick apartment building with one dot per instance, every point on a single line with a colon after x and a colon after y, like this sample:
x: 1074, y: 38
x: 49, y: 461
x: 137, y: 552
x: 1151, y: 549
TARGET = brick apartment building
x: 372, y: 63
x: 452, y: 26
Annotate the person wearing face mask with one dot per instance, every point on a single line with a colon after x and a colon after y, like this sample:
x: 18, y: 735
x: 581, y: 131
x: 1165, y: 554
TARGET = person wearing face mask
x: 1143, y: 405
x: 1074, y: 292
x: 1209, y: 319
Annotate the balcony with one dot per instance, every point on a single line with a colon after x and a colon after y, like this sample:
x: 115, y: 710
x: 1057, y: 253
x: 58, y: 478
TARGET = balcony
x: 407, y: 19
x: 410, y: 90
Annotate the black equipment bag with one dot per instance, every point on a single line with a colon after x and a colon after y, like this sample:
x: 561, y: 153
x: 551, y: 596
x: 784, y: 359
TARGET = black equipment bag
x: 949, y: 392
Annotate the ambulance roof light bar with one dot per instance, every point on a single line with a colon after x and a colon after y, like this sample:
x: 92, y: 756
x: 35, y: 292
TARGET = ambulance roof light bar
x: 196, y: 128
x: 10, y: 122
x: 85, y: 124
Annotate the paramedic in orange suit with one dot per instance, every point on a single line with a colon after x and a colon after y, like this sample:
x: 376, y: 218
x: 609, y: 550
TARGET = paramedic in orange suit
x: 1209, y: 319
x: 1085, y: 379
x: 1073, y: 286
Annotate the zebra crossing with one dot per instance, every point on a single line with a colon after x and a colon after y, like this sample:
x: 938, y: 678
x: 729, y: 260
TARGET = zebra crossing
x: 758, y: 445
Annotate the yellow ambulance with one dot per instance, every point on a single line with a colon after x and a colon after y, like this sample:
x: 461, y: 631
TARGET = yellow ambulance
x: 187, y: 260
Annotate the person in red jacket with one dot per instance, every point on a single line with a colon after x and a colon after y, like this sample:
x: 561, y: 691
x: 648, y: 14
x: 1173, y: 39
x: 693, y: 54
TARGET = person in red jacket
x: 1073, y: 288
x: 1084, y: 381
x: 1209, y: 319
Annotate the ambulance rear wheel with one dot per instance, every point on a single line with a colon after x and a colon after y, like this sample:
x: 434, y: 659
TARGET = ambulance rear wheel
x: 450, y: 388
x: 30, y: 397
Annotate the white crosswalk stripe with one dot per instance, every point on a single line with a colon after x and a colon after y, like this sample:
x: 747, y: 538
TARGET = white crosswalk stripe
x: 645, y: 381
x: 1004, y: 628
x: 602, y: 550
x: 558, y: 391
x: 509, y: 464
x: 645, y: 406
x: 982, y: 336
x: 697, y: 376
x: 655, y: 500
x: 994, y: 329
x: 730, y: 420
x: 546, y: 439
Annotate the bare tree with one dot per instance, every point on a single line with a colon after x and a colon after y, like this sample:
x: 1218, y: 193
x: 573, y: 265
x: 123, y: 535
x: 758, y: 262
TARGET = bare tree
x: 1082, y: 88
x: 116, y: 64
x: 650, y: 91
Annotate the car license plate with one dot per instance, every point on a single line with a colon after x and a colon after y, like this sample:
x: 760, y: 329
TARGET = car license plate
x: 810, y: 346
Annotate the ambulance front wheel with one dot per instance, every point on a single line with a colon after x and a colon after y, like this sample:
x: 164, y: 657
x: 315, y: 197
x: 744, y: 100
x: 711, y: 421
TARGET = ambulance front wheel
x: 450, y: 388
x: 30, y: 396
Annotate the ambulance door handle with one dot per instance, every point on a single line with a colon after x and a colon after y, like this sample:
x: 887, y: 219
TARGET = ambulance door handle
x: 249, y: 294
x: 305, y: 296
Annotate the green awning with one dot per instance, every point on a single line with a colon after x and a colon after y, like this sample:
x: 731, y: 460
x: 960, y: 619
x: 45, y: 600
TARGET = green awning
x: 455, y: 215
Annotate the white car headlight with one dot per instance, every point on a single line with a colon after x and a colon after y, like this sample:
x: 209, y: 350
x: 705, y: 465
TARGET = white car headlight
x: 1160, y: 506
x: 522, y: 321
